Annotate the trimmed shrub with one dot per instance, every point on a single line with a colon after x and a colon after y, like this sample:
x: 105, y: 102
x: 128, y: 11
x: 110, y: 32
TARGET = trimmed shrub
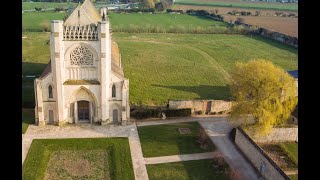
x: 156, y: 113
x: 178, y: 112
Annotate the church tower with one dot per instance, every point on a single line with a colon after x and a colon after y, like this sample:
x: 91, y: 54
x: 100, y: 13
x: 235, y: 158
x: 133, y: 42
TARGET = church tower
x: 84, y: 80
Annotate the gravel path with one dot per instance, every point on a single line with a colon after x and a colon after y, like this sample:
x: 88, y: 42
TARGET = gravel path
x: 183, y: 157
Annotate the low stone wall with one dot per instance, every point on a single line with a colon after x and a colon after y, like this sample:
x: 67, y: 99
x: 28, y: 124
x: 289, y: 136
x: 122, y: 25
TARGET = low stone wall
x: 279, y: 135
x: 259, y: 159
x: 215, y: 106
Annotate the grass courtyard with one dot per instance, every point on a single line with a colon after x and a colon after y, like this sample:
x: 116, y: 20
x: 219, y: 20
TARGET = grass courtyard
x: 164, y: 140
x: 197, y: 170
x: 89, y: 158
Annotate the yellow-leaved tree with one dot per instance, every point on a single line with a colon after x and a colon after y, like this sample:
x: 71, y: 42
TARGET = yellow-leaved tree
x: 265, y: 91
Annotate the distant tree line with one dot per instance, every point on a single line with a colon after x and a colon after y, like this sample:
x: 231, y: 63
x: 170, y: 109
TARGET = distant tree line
x: 205, y: 13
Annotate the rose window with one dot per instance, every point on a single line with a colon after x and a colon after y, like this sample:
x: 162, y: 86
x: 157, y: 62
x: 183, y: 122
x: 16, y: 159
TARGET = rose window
x: 81, y: 56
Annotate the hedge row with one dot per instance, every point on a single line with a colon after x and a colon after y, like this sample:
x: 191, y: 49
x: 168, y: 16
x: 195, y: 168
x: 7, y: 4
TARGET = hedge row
x: 156, y: 113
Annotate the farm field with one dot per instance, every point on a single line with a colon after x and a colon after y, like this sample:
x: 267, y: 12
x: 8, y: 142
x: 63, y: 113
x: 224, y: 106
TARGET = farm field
x: 225, y: 10
x: 37, y: 21
x: 45, y: 5
x: 169, y: 22
x: 285, y: 25
x: 174, y: 66
x: 251, y: 5
x: 87, y: 158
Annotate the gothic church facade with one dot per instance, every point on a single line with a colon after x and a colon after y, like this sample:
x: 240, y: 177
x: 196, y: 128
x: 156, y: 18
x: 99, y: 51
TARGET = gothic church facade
x: 84, y: 80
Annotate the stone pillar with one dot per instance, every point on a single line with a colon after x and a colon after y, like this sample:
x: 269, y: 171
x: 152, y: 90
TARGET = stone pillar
x: 90, y: 112
x: 76, y: 112
x: 39, y: 103
x: 105, y: 69
x: 57, y: 60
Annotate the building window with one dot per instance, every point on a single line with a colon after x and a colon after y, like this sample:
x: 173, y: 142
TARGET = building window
x: 113, y: 91
x: 81, y: 56
x: 50, y: 91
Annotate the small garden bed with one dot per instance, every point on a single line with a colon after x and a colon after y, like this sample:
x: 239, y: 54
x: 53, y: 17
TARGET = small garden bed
x: 88, y: 158
x: 164, y: 140
x: 285, y: 155
x: 198, y: 169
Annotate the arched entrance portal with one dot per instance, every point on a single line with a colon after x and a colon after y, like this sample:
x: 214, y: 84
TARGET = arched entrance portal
x: 115, y: 116
x: 83, y: 111
x: 82, y: 106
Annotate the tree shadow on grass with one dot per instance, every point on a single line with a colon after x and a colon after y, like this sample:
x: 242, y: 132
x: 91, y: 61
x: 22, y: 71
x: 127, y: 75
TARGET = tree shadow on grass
x: 204, y: 91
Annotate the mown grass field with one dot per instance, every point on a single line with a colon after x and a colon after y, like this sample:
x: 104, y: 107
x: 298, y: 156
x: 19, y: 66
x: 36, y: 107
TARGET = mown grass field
x: 179, y: 66
x: 248, y: 5
x: 45, y: 5
x: 199, y: 170
x: 116, y: 150
x: 36, y: 21
x: 165, y: 140
x: 174, y: 66
x: 135, y: 22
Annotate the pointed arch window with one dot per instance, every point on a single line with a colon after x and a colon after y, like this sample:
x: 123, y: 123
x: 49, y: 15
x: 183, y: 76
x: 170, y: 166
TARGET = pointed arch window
x: 50, y: 91
x: 113, y: 91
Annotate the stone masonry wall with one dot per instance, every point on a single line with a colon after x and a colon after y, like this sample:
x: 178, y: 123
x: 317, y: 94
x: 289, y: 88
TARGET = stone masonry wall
x: 279, y: 135
x: 258, y: 157
x: 197, y: 105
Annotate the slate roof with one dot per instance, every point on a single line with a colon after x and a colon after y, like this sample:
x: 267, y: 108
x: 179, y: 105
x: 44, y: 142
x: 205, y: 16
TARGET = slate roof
x: 46, y: 71
x: 116, y: 61
x: 294, y: 73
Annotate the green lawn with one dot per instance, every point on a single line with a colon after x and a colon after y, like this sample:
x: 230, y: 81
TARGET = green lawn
x: 27, y: 118
x: 294, y: 177
x: 163, y: 23
x: 173, y: 66
x: 185, y: 66
x: 35, y: 52
x: 45, y: 5
x: 291, y: 149
x: 197, y: 170
x: 164, y: 140
x: 248, y: 5
x: 36, y: 21
x: 41, y: 151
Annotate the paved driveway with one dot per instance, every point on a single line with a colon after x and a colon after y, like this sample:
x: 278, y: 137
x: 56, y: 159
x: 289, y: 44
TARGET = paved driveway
x: 218, y: 131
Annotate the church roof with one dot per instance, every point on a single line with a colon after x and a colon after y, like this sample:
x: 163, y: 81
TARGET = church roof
x: 84, y: 14
x: 47, y: 70
x: 116, y: 61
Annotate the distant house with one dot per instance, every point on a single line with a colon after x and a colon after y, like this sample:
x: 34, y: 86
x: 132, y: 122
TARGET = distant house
x: 294, y: 74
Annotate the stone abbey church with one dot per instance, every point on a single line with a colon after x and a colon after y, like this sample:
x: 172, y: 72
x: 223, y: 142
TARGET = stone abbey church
x: 84, y: 80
